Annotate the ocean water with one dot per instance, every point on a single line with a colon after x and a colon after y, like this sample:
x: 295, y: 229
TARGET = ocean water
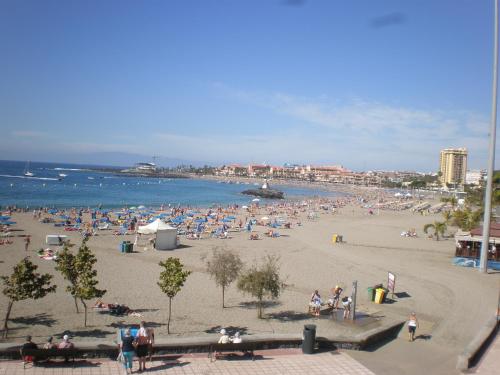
x: 84, y: 188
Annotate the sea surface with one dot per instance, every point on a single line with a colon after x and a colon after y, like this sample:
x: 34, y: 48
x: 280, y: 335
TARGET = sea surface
x: 85, y: 188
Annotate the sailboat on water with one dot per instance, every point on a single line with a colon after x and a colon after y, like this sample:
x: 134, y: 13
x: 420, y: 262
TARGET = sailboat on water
x: 27, y: 171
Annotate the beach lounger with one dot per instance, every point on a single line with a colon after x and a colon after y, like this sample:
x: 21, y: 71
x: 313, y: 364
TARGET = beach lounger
x: 104, y: 226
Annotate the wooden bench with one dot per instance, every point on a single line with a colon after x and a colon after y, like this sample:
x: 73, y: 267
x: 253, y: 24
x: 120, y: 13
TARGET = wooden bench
x: 45, y: 354
x: 243, y: 347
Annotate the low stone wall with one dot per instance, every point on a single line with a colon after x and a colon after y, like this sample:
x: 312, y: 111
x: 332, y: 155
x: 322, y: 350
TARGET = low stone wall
x: 181, y: 345
x: 478, y: 344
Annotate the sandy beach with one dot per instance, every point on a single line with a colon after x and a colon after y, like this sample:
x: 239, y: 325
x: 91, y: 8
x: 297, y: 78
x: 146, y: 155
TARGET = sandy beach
x: 451, y: 302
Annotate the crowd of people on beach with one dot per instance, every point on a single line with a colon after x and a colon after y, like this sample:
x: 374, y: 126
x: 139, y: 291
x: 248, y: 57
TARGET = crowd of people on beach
x: 220, y: 222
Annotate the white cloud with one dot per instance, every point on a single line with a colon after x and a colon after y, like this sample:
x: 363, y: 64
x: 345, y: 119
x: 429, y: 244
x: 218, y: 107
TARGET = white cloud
x: 372, y: 132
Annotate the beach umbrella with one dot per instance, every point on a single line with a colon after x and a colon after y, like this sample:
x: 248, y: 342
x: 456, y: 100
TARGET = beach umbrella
x: 226, y: 220
x: 141, y: 207
x: 264, y: 218
x: 8, y: 223
x: 231, y: 217
x: 52, y: 212
x: 133, y: 208
x: 4, y: 217
x: 244, y: 207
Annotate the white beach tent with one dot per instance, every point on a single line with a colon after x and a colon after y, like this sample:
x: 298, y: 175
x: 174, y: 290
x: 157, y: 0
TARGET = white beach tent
x: 166, y: 236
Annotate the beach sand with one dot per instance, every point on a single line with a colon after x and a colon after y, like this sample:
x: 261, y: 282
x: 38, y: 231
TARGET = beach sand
x: 451, y: 302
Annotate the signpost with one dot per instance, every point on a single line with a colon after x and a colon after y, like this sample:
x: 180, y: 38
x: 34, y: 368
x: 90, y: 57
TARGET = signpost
x: 391, y: 282
x: 353, y: 297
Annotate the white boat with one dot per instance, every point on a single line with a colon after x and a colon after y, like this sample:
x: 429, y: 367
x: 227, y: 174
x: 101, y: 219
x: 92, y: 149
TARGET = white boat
x: 27, y: 171
x: 90, y: 178
x: 63, y: 175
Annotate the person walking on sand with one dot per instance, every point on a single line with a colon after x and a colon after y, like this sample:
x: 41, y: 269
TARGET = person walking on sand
x: 27, y: 241
x: 412, y: 326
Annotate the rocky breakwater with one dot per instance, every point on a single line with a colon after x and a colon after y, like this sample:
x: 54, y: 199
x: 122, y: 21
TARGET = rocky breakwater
x: 265, y: 192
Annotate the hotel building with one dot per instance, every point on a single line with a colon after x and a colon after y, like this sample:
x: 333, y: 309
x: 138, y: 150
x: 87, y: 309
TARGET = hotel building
x: 453, y: 166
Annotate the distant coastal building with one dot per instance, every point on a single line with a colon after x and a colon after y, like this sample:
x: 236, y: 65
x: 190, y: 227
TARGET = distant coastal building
x: 475, y: 177
x: 333, y: 174
x: 453, y: 166
x: 144, y: 168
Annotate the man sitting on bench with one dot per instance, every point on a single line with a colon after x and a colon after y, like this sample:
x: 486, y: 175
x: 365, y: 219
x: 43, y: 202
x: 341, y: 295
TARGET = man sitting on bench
x: 65, y: 343
x: 224, y: 339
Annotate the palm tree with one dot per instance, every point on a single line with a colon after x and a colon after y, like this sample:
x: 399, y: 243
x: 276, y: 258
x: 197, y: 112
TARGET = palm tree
x: 466, y: 219
x: 447, y: 216
x: 438, y: 227
x: 451, y: 200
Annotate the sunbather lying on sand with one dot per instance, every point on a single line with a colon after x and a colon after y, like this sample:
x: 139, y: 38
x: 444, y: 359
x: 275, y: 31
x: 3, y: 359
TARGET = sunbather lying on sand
x: 115, y: 309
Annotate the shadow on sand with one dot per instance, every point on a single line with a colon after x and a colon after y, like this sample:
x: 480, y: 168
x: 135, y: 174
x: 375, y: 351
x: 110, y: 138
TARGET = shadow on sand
x: 38, y: 319
x: 231, y: 330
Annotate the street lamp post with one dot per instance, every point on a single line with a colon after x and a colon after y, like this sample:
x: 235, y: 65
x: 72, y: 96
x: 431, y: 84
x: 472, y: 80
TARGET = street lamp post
x: 483, y: 263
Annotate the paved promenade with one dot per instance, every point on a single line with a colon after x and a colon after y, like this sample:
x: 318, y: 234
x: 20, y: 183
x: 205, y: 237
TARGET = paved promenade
x: 490, y: 363
x: 268, y: 362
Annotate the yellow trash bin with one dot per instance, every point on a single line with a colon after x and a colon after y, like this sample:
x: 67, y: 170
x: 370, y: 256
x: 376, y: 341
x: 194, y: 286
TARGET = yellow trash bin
x: 334, y: 238
x: 379, y: 295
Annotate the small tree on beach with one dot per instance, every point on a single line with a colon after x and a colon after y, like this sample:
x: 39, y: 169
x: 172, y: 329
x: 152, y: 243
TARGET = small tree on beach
x: 65, y: 264
x: 86, y: 284
x: 262, y: 281
x: 438, y: 227
x: 224, y: 267
x: 172, y: 279
x: 24, y: 283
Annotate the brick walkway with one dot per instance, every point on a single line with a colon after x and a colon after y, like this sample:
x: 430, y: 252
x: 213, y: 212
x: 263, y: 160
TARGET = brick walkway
x: 283, y: 362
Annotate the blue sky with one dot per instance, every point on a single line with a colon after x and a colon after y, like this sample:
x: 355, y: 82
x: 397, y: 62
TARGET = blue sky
x: 366, y: 84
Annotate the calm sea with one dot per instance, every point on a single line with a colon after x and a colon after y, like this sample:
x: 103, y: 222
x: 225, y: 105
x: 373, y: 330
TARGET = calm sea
x: 84, y: 188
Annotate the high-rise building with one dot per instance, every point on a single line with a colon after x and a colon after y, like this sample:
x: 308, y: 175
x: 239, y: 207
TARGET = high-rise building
x: 453, y: 166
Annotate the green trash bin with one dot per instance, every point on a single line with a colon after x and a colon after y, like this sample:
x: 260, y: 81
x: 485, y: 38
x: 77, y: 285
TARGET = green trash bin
x: 371, y: 294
